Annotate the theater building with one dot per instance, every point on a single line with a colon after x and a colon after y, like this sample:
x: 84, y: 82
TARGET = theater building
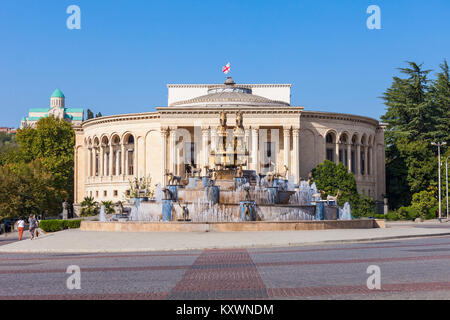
x: 112, y: 150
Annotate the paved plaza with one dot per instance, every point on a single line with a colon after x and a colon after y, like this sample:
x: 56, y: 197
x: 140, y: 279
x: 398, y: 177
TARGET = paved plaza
x: 77, y: 241
x: 410, y: 269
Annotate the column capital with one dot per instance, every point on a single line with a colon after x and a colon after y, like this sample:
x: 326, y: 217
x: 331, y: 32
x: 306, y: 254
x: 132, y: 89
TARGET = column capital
x: 295, y: 132
x: 286, y: 132
x: 205, y: 131
x: 164, y: 131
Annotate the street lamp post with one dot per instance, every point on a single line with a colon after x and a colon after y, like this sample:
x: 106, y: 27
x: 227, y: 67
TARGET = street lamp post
x: 446, y: 181
x: 439, y: 145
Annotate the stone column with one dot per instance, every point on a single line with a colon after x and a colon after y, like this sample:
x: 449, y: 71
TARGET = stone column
x: 247, y: 143
x: 94, y: 161
x: 255, y: 141
x: 163, y: 156
x: 366, y: 160
x: 100, y: 162
x: 213, y: 139
x: 123, y: 156
x: 172, y: 150
x: 336, y: 152
x: 135, y: 159
x: 358, y: 160
x: 90, y: 163
x: 111, y: 159
x: 105, y: 163
x: 349, y: 157
x: 117, y: 162
x: 287, y: 147
x: 205, y: 149
x: 295, y: 149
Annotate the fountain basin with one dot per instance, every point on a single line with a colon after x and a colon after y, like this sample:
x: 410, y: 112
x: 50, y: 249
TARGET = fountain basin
x: 141, y: 226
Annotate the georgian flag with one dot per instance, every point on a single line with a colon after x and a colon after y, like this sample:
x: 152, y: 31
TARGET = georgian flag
x: 226, y: 69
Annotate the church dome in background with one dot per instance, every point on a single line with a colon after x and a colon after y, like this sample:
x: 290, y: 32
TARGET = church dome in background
x: 57, y: 94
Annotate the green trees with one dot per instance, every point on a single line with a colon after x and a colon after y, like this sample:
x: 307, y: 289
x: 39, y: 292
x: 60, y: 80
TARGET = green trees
x: 330, y: 177
x: 423, y: 202
x: 418, y: 112
x: 37, y: 176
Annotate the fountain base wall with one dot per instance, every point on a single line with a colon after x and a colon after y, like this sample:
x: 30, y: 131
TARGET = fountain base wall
x: 141, y: 226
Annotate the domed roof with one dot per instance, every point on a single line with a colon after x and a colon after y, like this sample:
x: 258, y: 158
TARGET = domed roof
x: 57, y: 94
x: 229, y: 94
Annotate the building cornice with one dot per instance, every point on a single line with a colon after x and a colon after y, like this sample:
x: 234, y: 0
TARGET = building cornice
x: 261, y: 85
x: 339, y: 116
x: 120, y: 118
x: 215, y: 110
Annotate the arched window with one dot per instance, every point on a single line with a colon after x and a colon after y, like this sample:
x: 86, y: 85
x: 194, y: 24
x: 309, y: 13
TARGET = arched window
x: 330, y: 146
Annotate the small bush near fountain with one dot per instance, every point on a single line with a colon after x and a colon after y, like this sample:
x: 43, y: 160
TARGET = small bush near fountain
x: 58, y: 225
x: 89, y: 207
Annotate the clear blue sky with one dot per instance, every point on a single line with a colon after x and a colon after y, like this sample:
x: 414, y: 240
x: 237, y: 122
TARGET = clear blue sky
x: 127, y: 51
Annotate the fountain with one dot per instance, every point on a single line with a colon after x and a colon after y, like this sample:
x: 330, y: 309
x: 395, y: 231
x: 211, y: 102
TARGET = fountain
x: 102, y: 214
x: 229, y: 193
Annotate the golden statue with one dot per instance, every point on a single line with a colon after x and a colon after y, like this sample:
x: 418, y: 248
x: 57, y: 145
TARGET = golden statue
x: 239, y: 120
x: 223, y: 122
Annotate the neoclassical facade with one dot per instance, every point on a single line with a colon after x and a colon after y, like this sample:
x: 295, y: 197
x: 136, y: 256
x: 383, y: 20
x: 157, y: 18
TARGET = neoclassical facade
x: 112, y: 150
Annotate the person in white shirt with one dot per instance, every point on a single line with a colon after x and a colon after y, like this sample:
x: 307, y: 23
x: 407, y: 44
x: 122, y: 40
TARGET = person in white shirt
x: 20, y: 226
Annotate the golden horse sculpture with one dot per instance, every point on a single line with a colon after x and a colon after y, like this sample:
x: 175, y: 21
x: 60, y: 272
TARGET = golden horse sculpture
x: 240, y: 172
x: 173, y: 180
x: 247, y: 213
x: 334, y: 198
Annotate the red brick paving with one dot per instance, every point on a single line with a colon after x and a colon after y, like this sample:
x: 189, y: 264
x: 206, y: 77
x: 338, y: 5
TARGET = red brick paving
x: 221, y: 274
x: 351, y: 248
x: 100, y: 296
x: 343, y: 290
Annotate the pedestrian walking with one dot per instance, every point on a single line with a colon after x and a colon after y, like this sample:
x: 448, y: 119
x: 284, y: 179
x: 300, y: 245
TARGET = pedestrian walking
x: 38, y: 219
x: 20, y: 226
x: 32, y: 221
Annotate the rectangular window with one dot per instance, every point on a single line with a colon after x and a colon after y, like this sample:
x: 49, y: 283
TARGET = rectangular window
x: 105, y: 193
x: 115, y: 193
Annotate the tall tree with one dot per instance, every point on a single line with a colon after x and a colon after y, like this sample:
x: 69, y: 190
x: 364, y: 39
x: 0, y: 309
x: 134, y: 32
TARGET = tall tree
x: 440, y: 91
x: 417, y: 113
x: 52, y: 142
x: 89, y: 114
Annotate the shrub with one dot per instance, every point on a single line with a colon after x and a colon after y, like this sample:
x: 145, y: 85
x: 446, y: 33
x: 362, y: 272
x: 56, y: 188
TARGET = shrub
x: 58, y: 225
x: 393, y: 216
x: 365, y: 206
x: 379, y: 216
x: 89, y: 207
x: 423, y: 201
x: 408, y: 213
